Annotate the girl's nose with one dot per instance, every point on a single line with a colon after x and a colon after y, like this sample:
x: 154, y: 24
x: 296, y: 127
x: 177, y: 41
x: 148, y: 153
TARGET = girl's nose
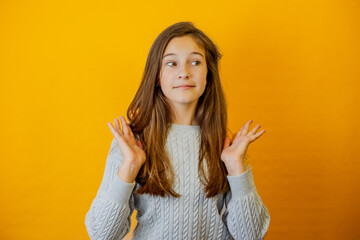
x: 186, y: 76
x: 184, y: 73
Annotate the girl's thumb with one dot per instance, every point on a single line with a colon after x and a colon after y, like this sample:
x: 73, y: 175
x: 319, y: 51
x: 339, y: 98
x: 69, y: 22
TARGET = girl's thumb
x: 227, y: 142
x: 138, y: 142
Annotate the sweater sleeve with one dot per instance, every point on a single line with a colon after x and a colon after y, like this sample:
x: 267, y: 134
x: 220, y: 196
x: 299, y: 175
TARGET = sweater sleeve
x: 110, y: 212
x: 246, y: 217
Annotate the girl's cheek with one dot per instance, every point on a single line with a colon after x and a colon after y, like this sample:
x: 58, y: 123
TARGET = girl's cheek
x: 167, y: 72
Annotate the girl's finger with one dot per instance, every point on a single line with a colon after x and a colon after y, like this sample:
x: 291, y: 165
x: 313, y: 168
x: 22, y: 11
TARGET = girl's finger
x: 233, y: 138
x: 138, y: 142
x: 127, y: 127
x: 113, y: 131
x: 253, y: 131
x: 256, y: 136
x: 123, y: 145
x: 127, y: 130
x: 124, y: 127
x: 240, y: 131
x: 117, y: 126
x: 227, y: 142
x: 246, y: 126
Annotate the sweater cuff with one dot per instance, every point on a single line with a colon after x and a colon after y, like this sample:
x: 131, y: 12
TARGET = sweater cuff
x: 242, y: 184
x: 120, y: 191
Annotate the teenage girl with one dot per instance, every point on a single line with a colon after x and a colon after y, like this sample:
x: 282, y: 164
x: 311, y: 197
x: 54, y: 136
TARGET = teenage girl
x: 174, y: 161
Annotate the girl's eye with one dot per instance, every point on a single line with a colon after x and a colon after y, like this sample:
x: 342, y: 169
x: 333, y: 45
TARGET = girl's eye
x: 174, y: 64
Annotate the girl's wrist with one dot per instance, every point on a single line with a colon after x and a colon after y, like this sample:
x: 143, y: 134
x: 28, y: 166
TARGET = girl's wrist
x: 128, y: 172
x: 236, y: 169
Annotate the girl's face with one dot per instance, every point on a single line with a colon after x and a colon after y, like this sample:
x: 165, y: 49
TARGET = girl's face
x: 183, y: 63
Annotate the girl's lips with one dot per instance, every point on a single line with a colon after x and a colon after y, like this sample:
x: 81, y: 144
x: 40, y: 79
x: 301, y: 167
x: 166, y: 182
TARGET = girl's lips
x: 185, y: 87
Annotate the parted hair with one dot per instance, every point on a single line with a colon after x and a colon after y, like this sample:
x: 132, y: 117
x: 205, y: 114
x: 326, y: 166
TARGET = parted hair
x: 149, y: 116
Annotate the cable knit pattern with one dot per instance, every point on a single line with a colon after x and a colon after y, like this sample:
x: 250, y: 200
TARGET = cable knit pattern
x: 176, y: 188
x: 167, y: 217
x: 197, y: 195
x: 238, y: 214
x: 187, y: 187
x: 204, y: 216
x: 212, y: 221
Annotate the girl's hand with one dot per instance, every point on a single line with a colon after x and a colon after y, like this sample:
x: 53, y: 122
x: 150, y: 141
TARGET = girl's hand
x: 130, y: 148
x: 233, y: 155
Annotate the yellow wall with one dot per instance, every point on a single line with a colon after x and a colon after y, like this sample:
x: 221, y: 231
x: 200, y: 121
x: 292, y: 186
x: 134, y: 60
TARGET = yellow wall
x: 69, y: 67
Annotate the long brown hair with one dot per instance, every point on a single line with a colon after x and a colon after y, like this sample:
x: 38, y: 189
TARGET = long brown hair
x: 149, y: 117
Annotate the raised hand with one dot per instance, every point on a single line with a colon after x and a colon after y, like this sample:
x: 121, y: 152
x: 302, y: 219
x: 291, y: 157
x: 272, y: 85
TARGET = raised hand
x: 130, y: 148
x: 234, y: 152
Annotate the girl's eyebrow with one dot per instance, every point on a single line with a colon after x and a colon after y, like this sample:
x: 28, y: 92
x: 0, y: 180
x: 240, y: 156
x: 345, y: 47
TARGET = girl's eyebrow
x: 190, y: 54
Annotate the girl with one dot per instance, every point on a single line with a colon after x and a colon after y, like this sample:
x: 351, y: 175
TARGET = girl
x: 173, y: 161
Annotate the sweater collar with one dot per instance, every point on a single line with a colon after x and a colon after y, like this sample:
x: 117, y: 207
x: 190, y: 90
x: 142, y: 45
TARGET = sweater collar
x: 178, y: 128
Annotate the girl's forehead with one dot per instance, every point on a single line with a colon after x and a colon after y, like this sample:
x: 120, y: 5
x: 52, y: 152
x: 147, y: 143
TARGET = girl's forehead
x: 185, y: 44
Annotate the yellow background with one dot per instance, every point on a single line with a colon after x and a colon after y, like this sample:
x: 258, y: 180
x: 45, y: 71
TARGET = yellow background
x: 69, y: 67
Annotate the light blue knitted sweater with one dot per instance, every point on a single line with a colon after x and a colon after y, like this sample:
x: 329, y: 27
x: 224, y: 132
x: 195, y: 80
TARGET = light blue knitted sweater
x: 239, y: 214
